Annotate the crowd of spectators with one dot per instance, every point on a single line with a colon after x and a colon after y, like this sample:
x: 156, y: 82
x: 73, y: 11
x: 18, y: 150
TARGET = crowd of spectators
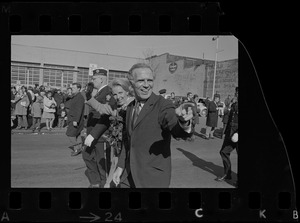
x: 220, y: 109
x: 34, y: 105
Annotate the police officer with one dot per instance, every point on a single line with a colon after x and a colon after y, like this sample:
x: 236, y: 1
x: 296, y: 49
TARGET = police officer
x: 231, y: 139
x: 97, y: 124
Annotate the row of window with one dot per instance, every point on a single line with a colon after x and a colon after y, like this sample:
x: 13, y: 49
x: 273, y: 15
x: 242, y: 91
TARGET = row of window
x: 52, y: 77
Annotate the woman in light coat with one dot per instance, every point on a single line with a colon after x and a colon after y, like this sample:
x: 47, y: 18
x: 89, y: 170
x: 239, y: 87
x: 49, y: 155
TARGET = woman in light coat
x: 49, y: 110
x: 22, y: 102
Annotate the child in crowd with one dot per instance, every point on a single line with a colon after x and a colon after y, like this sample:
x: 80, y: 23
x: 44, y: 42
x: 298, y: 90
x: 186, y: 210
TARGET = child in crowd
x: 36, y: 113
x: 62, y: 115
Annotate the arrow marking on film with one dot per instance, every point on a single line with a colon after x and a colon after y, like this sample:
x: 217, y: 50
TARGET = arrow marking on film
x: 93, y: 218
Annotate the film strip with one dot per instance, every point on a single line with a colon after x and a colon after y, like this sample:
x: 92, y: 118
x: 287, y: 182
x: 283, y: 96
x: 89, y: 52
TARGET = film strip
x: 259, y: 196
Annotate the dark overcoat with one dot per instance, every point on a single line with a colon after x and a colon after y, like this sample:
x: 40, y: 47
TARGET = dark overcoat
x: 212, y: 115
x: 75, y: 114
x: 97, y: 124
x: 20, y: 109
x: 86, y: 107
x: 195, y: 114
x: 149, y: 142
x: 59, y: 98
x: 232, y: 125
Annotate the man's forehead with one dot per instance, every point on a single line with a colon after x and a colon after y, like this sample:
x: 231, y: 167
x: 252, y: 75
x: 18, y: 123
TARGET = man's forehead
x: 97, y: 77
x: 141, y: 73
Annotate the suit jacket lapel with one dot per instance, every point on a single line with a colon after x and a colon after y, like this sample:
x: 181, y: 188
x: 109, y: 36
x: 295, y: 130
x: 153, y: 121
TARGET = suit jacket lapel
x: 129, y: 117
x: 146, y: 109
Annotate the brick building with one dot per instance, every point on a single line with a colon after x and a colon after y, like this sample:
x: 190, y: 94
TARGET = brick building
x: 183, y: 74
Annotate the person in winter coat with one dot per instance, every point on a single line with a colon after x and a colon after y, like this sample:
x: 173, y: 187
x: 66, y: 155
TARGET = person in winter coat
x: 212, y: 117
x: 231, y: 139
x: 62, y: 115
x: 59, y: 98
x: 88, y: 87
x: 196, y: 116
x: 228, y: 102
x: 75, y: 119
x: 151, y: 121
x: 22, y: 103
x: 49, y: 110
x: 13, y: 94
x: 36, y: 113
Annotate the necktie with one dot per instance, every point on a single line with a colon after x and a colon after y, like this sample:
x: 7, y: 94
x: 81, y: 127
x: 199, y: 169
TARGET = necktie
x: 135, y: 113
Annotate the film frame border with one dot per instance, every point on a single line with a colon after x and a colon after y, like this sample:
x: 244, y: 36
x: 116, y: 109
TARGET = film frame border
x: 208, y: 15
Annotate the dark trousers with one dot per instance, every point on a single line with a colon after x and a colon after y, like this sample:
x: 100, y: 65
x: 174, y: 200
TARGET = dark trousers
x: 22, y: 121
x: 61, y: 122
x: 36, y: 123
x: 127, y: 182
x: 55, y: 121
x: 227, y: 147
x: 97, y: 166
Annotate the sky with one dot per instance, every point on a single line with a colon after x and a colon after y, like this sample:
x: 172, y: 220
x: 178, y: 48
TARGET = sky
x: 202, y: 47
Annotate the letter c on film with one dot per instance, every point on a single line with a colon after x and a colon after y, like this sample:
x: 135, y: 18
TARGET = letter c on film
x: 198, y: 215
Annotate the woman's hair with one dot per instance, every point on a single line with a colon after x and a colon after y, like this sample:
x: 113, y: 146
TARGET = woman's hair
x: 124, y: 83
x: 48, y: 93
x: 90, y: 86
x: 24, y: 88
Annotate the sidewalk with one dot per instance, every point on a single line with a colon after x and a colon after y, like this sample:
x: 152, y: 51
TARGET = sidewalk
x: 43, y: 131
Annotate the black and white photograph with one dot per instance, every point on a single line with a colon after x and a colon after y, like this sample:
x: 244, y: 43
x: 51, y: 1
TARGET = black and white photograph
x: 124, y: 111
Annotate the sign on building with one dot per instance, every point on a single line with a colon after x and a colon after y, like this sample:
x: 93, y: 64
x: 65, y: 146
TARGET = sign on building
x: 91, y: 68
x: 172, y: 67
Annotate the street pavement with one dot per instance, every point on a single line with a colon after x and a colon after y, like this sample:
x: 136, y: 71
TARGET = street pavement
x: 44, y: 161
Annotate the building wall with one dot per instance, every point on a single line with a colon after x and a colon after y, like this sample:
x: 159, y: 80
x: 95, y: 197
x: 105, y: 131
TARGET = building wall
x: 63, y: 67
x: 226, y: 78
x: 191, y: 74
x: 182, y: 80
x: 194, y: 75
x: 69, y: 58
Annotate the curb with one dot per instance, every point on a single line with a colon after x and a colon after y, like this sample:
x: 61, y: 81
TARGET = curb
x: 42, y: 132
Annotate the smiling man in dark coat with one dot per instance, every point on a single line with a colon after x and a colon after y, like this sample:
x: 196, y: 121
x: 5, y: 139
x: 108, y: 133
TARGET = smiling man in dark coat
x: 75, y: 119
x: 148, y: 163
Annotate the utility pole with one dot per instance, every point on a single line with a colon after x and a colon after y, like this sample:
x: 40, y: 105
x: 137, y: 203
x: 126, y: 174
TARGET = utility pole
x: 215, y: 71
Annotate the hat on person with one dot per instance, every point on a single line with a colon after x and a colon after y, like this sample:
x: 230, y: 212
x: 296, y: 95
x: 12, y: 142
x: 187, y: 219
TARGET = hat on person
x: 162, y: 91
x: 216, y: 96
x: 35, y: 91
x: 100, y: 71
